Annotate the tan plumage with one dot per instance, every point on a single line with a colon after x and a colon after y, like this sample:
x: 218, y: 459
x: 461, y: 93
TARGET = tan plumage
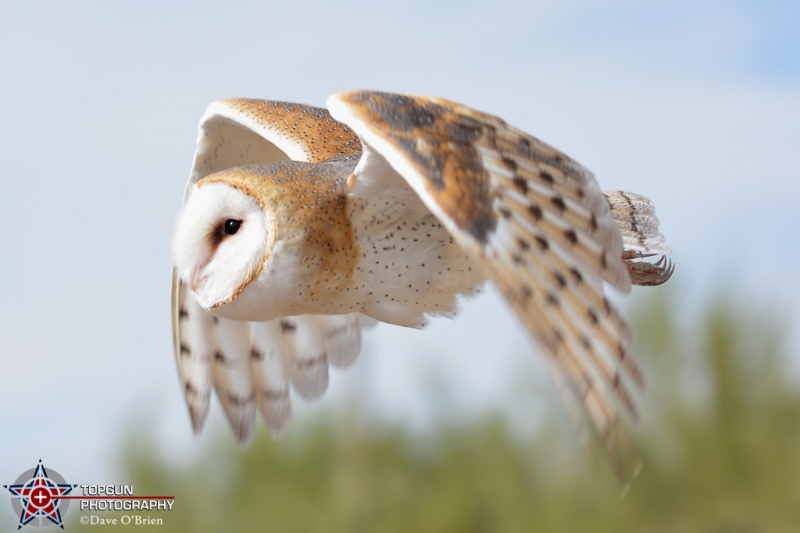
x: 394, y: 208
x: 258, y: 372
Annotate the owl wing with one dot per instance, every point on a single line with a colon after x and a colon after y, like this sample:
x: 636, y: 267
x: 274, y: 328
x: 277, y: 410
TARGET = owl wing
x: 253, y: 365
x: 535, y: 219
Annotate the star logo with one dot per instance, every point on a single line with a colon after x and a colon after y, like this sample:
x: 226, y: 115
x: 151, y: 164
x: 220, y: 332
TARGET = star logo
x: 37, y: 497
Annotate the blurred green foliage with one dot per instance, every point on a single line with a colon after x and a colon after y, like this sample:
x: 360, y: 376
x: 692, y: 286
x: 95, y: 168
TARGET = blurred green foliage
x: 720, y: 443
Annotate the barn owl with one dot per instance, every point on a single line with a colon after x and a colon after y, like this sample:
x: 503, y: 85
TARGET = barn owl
x: 301, y: 226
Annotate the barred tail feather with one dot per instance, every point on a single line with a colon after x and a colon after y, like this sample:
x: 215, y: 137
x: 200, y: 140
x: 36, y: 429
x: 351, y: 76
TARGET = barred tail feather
x: 635, y: 216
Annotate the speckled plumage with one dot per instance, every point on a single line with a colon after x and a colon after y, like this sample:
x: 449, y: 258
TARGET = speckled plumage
x: 393, y: 206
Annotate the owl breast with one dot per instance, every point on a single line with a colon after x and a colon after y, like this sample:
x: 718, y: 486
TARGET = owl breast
x: 408, y: 264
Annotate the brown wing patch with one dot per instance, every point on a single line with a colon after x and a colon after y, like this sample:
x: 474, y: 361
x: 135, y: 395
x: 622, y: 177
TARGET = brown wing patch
x: 544, y: 231
x: 461, y: 152
x: 441, y: 143
x: 322, y: 138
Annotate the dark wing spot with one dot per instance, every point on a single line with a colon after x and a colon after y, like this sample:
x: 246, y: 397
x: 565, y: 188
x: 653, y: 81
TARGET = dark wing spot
x: 558, y: 203
x: 524, y: 146
x: 593, y: 222
x: 553, y: 300
x: 571, y: 236
x: 403, y: 113
x: 521, y: 184
x: 509, y: 163
x: 622, y: 353
x: 466, y: 130
x: 525, y: 294
x: 535, y: 211
x: 586, y: 342
x: 542, y: 242
x: 287, y: 326
x: 547, y: 177
x: 238, y: 400
x: 481, y: 226
x: 273, y: 394
x: 312, y: 362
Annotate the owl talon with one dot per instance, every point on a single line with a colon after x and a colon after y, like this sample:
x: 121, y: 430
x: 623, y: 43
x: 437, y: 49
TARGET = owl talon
x: 647, y: 274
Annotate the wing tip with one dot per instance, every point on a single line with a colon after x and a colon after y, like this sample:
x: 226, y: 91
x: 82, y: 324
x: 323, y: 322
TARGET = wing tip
x: 241, y: 418
x: 310, y: 385
x: 197, y: 416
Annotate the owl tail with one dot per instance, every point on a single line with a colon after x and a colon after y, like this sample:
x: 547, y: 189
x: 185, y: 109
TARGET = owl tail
x: 636, y: 218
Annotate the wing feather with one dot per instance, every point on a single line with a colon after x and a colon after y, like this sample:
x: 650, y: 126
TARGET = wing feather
x: 241, y: 131
x: 194, y: 348
x: 232, y: 376
x: 270, y: 378
x: 535, y: 219
x: 305, y: 356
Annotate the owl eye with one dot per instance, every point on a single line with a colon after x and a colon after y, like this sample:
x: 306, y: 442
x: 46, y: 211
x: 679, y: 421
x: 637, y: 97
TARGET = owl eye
x: 232, y: 226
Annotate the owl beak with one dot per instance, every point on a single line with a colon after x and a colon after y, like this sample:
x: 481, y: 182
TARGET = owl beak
x: 194, y: 283
x: 197, y: 279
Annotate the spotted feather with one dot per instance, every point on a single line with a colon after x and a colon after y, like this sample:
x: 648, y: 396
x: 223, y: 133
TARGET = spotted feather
x: 538, y: 223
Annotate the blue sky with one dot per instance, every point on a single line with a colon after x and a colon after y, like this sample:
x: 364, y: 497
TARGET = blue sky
x: 695, y: 104
x: 723, y: 39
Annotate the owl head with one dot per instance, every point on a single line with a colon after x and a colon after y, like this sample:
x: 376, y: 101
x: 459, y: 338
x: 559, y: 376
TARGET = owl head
x: 253, y: 234
x: 222, y: 239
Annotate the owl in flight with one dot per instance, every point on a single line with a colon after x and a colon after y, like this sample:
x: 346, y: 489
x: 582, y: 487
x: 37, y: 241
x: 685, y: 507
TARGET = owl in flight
x: 301, y: 225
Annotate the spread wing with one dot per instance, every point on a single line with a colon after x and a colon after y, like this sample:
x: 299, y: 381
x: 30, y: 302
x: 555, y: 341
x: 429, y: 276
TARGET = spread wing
x: 252, y: 365
x: 535, y: 219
